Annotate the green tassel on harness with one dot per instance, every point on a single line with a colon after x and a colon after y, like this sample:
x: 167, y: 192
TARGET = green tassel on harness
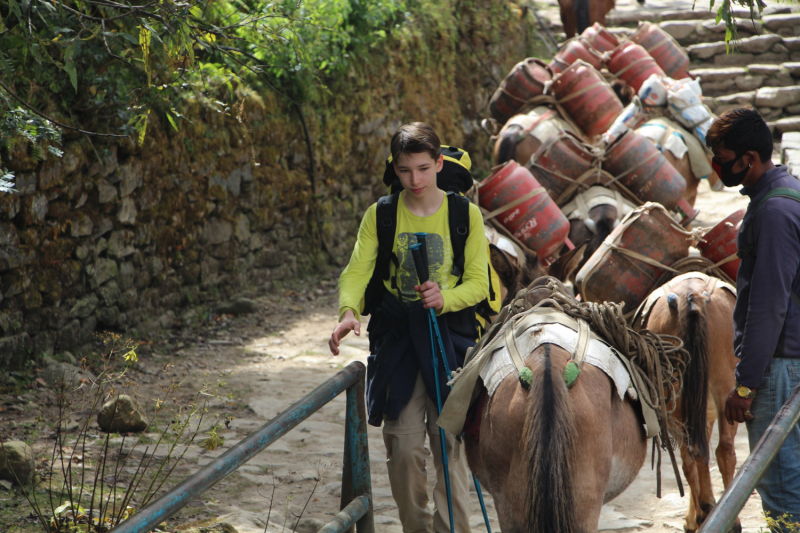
x: 525, y: 378
x: 571, y: 373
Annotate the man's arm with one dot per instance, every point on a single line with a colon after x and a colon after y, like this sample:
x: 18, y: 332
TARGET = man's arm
x: 475, y: 282
x: 777, y: 261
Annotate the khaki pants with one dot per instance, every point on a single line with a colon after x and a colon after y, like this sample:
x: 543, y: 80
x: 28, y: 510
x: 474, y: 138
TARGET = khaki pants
x: 405, y: 459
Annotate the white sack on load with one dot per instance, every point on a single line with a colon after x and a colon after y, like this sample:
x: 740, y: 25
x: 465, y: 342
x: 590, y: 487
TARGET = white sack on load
x: 686, y: 103
x: 653, y: 92
x: 629, y: 118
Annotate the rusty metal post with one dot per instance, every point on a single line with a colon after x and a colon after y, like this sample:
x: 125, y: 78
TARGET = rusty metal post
x: 737, y: 493
x: 358, y: 448
x: 347, y: 379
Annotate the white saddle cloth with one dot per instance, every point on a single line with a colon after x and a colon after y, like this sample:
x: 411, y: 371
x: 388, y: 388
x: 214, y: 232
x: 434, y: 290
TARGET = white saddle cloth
x: 599, y: 354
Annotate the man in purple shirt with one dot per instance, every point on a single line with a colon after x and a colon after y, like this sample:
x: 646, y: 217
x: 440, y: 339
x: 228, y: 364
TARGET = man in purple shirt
x: 767, y: 313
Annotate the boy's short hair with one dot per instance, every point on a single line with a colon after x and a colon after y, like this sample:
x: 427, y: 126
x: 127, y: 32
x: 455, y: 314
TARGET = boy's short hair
x: 416, y: 138
x: 740, y: 130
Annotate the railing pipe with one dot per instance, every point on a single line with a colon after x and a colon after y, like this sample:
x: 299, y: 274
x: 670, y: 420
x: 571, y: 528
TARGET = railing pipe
x: 205, y: 478
x: 348, y: 516
x: 724, y: 514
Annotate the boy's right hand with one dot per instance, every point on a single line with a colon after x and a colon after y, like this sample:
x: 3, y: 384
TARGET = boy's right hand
x: 349, y: 323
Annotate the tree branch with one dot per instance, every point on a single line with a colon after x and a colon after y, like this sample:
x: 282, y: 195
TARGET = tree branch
x: 57, y: 123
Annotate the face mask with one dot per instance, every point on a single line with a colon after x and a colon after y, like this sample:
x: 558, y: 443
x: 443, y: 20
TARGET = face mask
x: 726, y: 174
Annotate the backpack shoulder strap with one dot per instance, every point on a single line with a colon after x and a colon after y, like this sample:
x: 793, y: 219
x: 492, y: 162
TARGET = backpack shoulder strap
x: 783, y: 192
x: 386, y: 222
x: 458, y: 214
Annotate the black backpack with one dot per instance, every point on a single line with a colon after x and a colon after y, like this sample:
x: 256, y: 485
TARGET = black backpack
x: 454, y: 176
x: 783, y: 192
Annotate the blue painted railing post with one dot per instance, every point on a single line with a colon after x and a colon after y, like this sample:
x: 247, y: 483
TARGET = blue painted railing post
x: 356, y: 460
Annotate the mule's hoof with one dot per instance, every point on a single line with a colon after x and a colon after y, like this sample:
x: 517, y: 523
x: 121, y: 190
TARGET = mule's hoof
x: 736, y: 528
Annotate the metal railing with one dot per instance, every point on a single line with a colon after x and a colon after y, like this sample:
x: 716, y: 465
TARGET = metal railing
x: 356, y: 502
x: 725, y: 512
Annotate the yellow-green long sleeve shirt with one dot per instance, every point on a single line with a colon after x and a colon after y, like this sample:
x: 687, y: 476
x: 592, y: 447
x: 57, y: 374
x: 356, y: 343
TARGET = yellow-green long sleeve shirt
x: 475, y: 282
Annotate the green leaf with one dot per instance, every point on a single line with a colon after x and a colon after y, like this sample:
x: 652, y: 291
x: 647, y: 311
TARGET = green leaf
x: 69, y: 66
x: 172, y: 121
x: 15, y: 8
x: 196, y: 11
x: 128, y: 37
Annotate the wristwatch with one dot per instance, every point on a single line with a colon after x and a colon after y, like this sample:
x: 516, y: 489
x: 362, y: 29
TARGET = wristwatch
x: 745, y: 392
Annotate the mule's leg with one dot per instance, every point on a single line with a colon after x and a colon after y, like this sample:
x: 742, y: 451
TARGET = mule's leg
x: 705, y: 498
x: 690, y: 473
x: 568, y: 17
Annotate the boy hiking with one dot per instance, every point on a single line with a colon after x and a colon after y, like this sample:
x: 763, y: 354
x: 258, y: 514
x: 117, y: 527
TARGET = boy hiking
x: 401, y: 388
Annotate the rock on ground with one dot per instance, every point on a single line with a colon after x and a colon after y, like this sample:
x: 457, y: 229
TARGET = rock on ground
x: 121, y: 415
x: 55, y: 373
x: 16, y: 462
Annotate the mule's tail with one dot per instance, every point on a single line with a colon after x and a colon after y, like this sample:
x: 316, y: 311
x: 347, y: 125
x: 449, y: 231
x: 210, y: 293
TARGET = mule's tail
x: 550, y: 438
x: 581, y: 14
x: 694, y: 332
x: 509, y: 138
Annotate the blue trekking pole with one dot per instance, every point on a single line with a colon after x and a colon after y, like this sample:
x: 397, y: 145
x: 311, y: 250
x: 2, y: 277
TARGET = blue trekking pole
x: 420, y: 256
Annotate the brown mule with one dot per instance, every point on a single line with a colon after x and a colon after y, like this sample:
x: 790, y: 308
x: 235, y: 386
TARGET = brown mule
x: 577, y: 15
x: 552, y: 456
x: 699, y: 309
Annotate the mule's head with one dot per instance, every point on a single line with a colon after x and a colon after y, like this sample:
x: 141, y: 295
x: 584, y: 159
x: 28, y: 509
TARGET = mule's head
x: 515, y: 276
x: 593, y: 231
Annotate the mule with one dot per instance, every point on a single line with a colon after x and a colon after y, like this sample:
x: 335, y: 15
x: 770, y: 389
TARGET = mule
x: 551, y: 456
x: 577, y: 15
x: 515, y: 274
x: 700, y: 312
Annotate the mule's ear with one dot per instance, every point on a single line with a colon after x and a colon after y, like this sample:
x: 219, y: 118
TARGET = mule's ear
x: 565, y: 265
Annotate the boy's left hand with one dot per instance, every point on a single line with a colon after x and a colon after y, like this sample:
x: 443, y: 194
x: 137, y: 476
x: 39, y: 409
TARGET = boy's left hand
x: 430, y: 295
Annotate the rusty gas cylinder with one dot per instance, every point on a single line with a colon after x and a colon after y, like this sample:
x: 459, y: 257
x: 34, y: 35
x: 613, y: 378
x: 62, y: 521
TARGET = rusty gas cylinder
x: 523, y: 206
x: 665, y: 50
x: 638, y: 165
x: 632, y: 64
x: 720, y: 243
x: 574, y: 50
x: 600, y: 38
x: 559, y: 161
x: 616, y: 271
x: 525, y: 81
x: 586, y: 97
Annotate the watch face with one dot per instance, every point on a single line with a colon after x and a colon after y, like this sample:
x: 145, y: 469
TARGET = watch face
x: 743, y: 391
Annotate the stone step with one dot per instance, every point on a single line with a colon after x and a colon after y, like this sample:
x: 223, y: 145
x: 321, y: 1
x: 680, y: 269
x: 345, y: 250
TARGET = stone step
x: 723, y: 81
x: 773, y: 103
x: 617, y: 17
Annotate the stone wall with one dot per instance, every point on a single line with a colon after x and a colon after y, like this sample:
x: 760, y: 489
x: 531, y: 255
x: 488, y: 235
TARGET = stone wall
x: 115, y: 236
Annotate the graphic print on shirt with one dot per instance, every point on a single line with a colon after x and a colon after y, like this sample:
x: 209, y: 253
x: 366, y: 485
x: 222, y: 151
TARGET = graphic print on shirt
x: 407, y: 277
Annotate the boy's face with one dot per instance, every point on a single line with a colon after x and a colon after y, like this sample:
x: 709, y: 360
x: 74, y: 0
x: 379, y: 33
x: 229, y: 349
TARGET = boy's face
x: 417, y: 172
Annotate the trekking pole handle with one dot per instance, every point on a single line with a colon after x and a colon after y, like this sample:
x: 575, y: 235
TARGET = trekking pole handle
x: 419, y: 263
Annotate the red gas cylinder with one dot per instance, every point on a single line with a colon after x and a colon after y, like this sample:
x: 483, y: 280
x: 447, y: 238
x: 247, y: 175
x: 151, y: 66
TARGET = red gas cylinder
x: 576, y: 49
x: 523, y: 206
x: 631, y: 63
x: 560, y: 160
x: 525, y: 81
x: 638, y: 165
x: 720, y: 243
x: 612, y: 274
x: 669, y: 55
x: 600, y: 38
x: 586, y: 97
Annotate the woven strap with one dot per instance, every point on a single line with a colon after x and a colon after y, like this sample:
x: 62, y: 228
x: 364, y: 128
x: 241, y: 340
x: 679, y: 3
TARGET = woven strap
x: 626, y: 69
x: 583, y: 91
x: 515, y: 203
